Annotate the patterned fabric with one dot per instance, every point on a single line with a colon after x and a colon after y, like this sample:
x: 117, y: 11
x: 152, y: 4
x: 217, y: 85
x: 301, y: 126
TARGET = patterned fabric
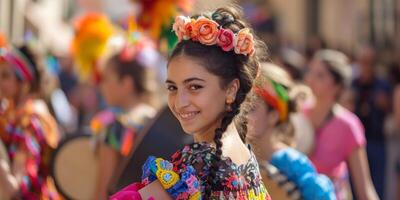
x: 232, y: 181
x: 28, y: 132
x: 184, y: 186
x: 118, y: 129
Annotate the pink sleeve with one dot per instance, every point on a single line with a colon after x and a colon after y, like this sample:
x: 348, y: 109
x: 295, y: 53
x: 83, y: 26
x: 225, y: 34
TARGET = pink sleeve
x: 130, y: 192
x: 356, y: 136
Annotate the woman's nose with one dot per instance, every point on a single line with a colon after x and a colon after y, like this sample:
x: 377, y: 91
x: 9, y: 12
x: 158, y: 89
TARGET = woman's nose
x: 182, y: 100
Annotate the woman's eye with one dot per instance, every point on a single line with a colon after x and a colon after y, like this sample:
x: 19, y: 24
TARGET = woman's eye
x: 171, y: 88
x: 195, y: 87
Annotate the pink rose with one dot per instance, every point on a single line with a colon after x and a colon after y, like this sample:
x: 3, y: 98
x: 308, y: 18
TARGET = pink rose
x: 225, y: 39
x: 179, y: 27
x: 244, y: 42
x: 205, y: 31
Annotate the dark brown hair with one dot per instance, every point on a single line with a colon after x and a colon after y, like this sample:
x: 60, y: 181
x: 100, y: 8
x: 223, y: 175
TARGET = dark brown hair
x: 227, y: 66
x: 337, y: 64
x: 130, y: 67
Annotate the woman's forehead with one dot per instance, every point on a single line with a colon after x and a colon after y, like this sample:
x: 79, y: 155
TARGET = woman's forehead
x: 182, y: 68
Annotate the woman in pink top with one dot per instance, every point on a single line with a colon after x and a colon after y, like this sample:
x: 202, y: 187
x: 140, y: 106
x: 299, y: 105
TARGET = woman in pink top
x: 340, y: 141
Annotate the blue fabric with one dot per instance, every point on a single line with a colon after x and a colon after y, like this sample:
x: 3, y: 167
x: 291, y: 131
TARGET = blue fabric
x: 298, y: 169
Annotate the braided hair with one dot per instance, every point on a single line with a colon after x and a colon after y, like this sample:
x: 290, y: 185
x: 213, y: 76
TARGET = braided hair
x: 228, y: 66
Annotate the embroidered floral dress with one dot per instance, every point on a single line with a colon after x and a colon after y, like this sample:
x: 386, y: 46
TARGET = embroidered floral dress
x: 242, y: 182
x: 232, y: 181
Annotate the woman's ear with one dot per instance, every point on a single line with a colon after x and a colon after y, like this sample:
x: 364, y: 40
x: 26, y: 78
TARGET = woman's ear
x: 273, y: 118
x: 232, y: 89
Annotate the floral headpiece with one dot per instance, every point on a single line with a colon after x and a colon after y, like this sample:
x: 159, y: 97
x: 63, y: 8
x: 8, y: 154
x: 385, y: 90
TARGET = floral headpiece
x: 21, y: 65
x: 92, y: 33
x: 276, y: 96
x: 209, y: 32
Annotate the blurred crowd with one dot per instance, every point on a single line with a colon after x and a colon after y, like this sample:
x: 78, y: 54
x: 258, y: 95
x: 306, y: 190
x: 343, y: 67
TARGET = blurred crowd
x: 69, y: 88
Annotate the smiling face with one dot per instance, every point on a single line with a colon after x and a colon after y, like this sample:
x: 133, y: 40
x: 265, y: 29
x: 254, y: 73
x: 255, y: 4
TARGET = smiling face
x: 195, y: 96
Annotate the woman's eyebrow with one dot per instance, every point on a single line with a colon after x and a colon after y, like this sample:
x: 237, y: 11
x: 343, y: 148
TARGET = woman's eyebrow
x: 186, y: 80
x: 193, y: 79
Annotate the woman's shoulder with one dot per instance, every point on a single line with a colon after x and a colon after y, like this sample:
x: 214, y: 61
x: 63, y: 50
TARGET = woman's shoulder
x: 134, y: 119
x: 348, y: 121
x: 35, y: 118
x: 117, y: 129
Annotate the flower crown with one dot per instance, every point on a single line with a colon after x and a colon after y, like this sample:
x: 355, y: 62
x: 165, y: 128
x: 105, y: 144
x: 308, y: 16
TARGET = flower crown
x: 209, y: 32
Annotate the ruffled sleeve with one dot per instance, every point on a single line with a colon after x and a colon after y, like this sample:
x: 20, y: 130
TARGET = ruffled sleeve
x: 298, y: 168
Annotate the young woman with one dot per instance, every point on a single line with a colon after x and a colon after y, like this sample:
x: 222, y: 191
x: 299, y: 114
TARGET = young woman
x: 125, y: 86
x: 27, y: 129
x: 210, y: 73
x: 271, y: 133
x: 340, y: 140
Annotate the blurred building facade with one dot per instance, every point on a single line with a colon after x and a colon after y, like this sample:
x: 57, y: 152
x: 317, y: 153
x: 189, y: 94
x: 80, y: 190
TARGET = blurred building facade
x: 341, y: 23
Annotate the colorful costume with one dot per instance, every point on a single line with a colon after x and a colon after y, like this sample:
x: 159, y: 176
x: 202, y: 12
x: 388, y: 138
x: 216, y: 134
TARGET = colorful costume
x: 118, y: 129
x: 299, y: 169
x: 31, y: 132
x: 232, y: 181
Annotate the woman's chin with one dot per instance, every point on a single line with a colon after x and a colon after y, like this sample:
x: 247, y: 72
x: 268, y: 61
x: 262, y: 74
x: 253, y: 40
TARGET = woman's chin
x: 188, y: 130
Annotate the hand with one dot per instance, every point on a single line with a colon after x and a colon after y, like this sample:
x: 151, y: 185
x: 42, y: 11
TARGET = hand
x: 154, y: 190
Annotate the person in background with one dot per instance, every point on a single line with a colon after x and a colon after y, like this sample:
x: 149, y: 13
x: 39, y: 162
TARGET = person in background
x: 392, y: 131
x: 339, y: 149
x: 371, y: 105
x: 27, y: 128
x: 271, y: 134
x: 126, y: 87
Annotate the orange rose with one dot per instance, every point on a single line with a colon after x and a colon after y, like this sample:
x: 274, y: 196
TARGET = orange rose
x: 189, y: 29
x: 244, y: 42
x: 205, y: 31
x: 179, y: 27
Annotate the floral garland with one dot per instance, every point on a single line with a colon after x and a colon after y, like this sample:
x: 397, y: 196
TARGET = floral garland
x: 209, y: 32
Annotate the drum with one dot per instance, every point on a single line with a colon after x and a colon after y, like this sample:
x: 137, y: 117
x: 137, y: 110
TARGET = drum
x: 277, y: 184
x: 74, y: 167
